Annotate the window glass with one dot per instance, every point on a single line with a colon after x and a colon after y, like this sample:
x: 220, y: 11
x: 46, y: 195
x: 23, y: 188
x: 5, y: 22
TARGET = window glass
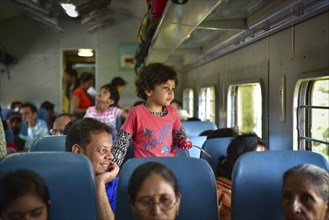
x: 245, y: 106
x: 207, y: 104
x: 188, y: 101
x: 320, y: 116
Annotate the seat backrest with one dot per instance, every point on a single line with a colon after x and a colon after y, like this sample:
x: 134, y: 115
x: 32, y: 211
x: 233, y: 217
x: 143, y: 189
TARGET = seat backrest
x: 182, y: 153
x: 257, y: 182
x: 69, y: 177
x: 49, y: 143
x: 9, y: 135
x: 195, y: 128
x: 216, y: 147
x: 197, y: 141
x: 4, y: 113
x: 196, y: 183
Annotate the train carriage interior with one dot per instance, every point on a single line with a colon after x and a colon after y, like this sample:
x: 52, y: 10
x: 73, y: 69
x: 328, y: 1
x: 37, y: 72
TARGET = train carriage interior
x: 252, y: 66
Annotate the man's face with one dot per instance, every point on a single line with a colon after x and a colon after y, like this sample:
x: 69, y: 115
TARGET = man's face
x: 59, y: 125
x: 99, y: 151
x: 15, y: 124
x: 27, y: 114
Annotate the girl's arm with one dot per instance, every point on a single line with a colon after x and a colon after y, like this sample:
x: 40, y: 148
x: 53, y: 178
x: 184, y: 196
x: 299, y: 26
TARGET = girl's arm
x: 119, y: 150
x: 179, y: 135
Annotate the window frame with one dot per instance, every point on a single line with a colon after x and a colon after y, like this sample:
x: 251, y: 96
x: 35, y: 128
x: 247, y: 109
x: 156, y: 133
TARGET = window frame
x: 302, y: 135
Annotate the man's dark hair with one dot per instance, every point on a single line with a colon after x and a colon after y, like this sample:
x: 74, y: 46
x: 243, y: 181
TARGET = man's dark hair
x: 47, y: 105
x: 31, y: 106
x: 80, y: 130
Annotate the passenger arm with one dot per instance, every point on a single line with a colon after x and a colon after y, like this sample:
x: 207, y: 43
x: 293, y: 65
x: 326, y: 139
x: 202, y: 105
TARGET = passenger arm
x: 119, y: 150
x: 179, y: 135
x: 104, y: 209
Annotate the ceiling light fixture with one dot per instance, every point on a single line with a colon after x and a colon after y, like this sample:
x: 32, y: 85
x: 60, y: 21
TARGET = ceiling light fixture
x: 70, y: 9
x: 85, y: 52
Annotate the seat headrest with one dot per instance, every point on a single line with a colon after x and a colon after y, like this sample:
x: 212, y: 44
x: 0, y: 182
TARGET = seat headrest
x: 257, y: 181
x: 69, y: 177
x: 196, y: 183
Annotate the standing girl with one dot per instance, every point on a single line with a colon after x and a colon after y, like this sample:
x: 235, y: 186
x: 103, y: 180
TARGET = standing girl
x: 154, y: 127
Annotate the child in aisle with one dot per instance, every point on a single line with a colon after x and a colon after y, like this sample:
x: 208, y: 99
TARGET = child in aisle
x: 154, y: 127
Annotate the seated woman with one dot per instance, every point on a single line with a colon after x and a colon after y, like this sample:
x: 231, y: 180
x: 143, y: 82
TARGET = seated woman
x: 238, y: 146
x: 305, y: 193
x: 23, y: 195
x: 153, y: 192
x: 80, y: 99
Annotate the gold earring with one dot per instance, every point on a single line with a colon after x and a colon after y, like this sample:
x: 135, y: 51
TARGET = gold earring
x: 177, y: 211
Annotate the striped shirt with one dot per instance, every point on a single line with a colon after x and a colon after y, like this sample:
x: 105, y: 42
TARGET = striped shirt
x: 108, y: 117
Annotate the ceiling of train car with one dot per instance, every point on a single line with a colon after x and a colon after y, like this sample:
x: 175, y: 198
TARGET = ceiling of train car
x: 200, y: 30
x: 94, y: 14
x: 186, y: 33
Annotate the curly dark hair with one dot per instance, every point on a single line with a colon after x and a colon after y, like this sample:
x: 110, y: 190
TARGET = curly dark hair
x: 151, y: 75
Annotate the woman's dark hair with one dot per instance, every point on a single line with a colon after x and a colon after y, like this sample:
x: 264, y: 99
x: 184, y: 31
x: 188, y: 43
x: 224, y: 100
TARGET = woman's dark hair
x: 222, y: 132
x: 152, y: 75
x: 238, y: 146
x: 18, y: 183
x: 84, y: 77
x: 143, y: 171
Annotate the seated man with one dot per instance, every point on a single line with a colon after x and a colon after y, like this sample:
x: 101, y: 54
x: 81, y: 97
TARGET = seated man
x: 14, y: 121
x: 60, y: 122
x: 90, y: 137
x: 36, y: 127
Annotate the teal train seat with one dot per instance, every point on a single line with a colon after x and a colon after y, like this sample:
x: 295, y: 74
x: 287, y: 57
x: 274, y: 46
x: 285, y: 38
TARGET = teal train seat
x: 257, y: 182
x: 196, y: 183
x: 49, y: 143
x: 69, y: 177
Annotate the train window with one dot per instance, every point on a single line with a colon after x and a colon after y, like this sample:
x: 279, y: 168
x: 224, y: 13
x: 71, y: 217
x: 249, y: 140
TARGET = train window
x: 207, y: 104
x: 188, y: 101
x: 245, y: 107
x: 313, y: 116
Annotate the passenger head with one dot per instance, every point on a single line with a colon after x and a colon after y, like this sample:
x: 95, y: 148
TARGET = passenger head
x: 305, y: 193
x: 222, y: 132
x: 86, y: 80
x: 14, y: 121
x: 16, y: 106
x: 153, y: 192
x: 119, y: 84
x: 91, y: 137
x: 60, y: 122
x: 71, y: 75
x: 108, y: 94
x: 29, y: 111
x: 49, y: 107
x: 152, y: 75
x: 23, y: 195
x: 239, y: 145
x: 176, y: 104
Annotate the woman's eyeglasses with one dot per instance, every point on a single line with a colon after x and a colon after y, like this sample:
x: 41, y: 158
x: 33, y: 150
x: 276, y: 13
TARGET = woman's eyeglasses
x: 148, y: 204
